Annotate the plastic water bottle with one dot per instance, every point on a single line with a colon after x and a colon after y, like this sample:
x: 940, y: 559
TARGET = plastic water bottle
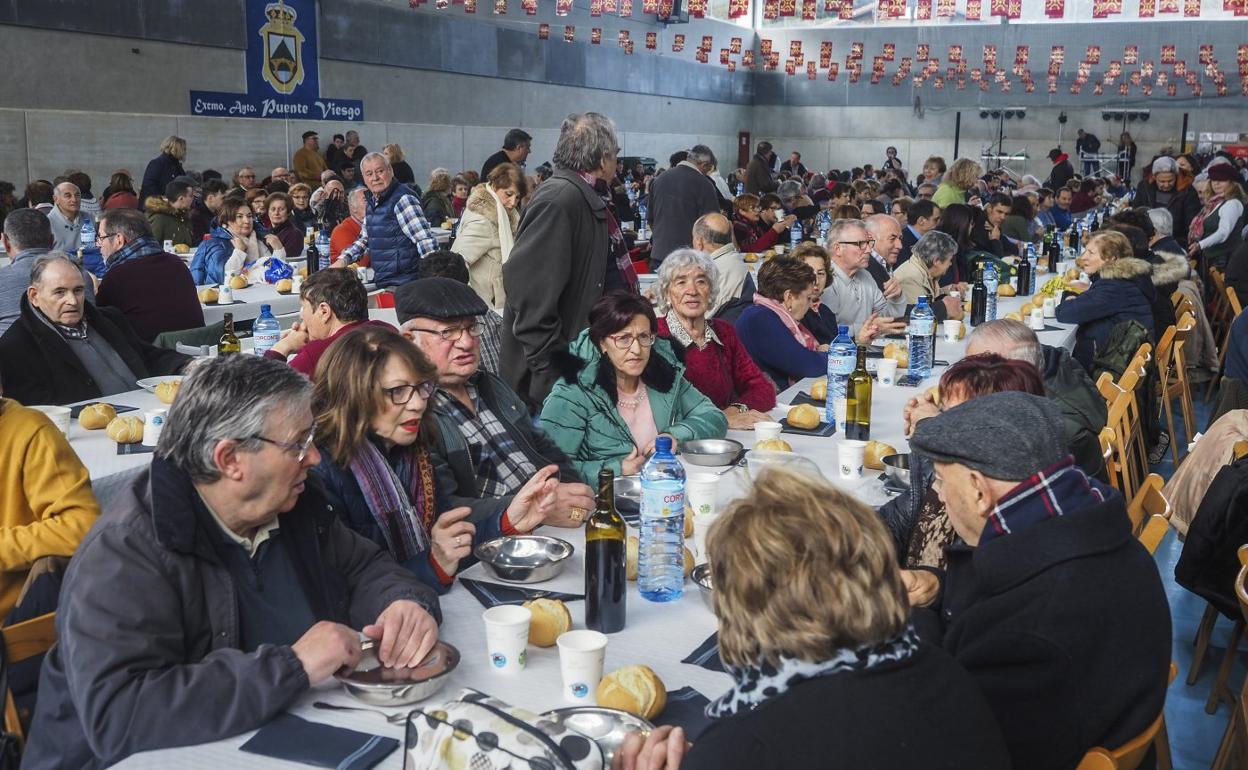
x: 661, y: 552
x: 86, y: 233
x: 795, y: 234
x: 990, y: 286
x: 643, y: 213
x: 265, y: 332
x: 841, y: 358
x: 918, y: 338
x: 322, y: 249
x: 825, y: 224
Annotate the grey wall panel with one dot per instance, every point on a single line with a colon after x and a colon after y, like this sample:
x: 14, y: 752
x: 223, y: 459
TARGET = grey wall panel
x: 13, y: 155
x: 202, y: 22
x: 520, y: 55
x: 565, y: 63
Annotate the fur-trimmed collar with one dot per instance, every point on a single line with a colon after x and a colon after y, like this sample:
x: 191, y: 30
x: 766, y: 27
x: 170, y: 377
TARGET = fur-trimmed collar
x: 582, y: 363
x: 1169, y: 268
x: 159, y: 204
x: 1128, y: 268
x: 481, y: 202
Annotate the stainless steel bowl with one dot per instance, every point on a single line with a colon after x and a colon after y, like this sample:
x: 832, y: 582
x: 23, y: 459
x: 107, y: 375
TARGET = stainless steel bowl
x: 712, y: 451
x: 524, y: 558
x: 702, y: 576
x: 605, y: 727
x: 378, y: 685
x: 897, y: 468
x: 628, y: 499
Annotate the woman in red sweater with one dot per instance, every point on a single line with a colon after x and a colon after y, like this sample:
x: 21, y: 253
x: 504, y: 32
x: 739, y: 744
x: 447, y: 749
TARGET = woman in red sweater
x: 716, y: 363
x: 757, y: 225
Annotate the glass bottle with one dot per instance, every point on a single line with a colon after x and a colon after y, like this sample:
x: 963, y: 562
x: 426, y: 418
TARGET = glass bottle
x: 229, y: 344
x: 606, y: 584
x: 858, y: 418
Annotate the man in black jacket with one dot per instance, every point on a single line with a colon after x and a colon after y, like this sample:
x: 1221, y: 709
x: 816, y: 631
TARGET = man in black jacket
x: 64, y: 349
x: 1087, y: 143
x: 1048, y: 601
x: 678, y: 197
x: 1062, y: 170
x: 487, y: 446
x: 219, y: 587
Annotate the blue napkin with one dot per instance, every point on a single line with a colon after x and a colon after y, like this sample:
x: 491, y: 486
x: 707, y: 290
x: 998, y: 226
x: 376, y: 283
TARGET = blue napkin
x: 493, y: 594
x: 707, y: 655
x: 294, y: 739
x: 134, y: 449
x: 686, y: 708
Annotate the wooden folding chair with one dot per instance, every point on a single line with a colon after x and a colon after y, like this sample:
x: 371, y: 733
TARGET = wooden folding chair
x: 1226, y: 307
x: 1110, y: 452
x: 1173, y: 383
x: 1221, y: 692
x: 1182, y: 304
x: 1132, y: 753
x: 1233, y: 751
x: 24, y: 641
x: 1148, y: 502
x: 1119, y: 422
x: 1154, y: 532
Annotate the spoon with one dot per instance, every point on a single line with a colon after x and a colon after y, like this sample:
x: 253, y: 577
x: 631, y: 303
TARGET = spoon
x: 394, y: 719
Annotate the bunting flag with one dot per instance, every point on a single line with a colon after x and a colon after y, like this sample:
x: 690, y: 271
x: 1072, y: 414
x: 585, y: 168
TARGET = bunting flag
x: 856, y: 50
x: 613, y: 6
x: 529, y: 6
x: 1102, y: 9
x: 1148, y: 9
x: 734, y: 45
x: 1168, y: 54
x: 831, y: 6
x: 810, y: 8
x: 678, y: 42
x: 652, y: 41
x: 1056, y: 9
x: 825, y: 54
x: 946, y: 9
x: 788, y: 7
x: 440, y: 4
x: 563, y: 7
x: 470, y: 6
x: 622, y: 37
x: 1167, y: 6
x: 973, y: 8
x: 1180, y: 68
x: 764, y: 46
x: 697, y: 8
x: 955, y: 53
x: 771, y: 9
x: 923, y: 9
x: 708, y: 42
x: 1172, y: 89
x: 732, y: 66
x: 628, y: 47
x: 1131, y: 54
x: 500, y: 7
x: 725, y: 56
x: 701, y: 56
x: 595, y: 35
x: 648, y: 7
x: 1092, y: 55
x: 626, y: 8
x: 790, y: 68
x: 1241, y: 56
x: 811, y: 72
x: 923, y: 52
x: 890, y: 51
x: 543, y: 31
x: 847, y: 10
x: 738, y: 8
x: 595, y: 7
x: 1206, y: 53
x: 665, y: 10
x: 1191, y: 10
x: 747, y: 58
x: 997, y: 7
x: 833, y: 70
x: 569, y: 31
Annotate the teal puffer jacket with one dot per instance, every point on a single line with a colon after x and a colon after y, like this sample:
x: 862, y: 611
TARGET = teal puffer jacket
x: 583, y: 419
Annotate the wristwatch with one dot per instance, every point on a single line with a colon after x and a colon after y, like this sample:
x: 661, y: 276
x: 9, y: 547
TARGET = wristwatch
x: 740, y: 407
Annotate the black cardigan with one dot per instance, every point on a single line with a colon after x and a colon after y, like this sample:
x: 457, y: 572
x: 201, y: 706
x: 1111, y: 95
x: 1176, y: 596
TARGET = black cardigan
x: 924, y: 712
x: 38, y: 367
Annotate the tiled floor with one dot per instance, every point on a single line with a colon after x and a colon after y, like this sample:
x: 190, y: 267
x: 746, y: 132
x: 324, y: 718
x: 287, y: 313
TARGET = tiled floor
x: 1194, y: 735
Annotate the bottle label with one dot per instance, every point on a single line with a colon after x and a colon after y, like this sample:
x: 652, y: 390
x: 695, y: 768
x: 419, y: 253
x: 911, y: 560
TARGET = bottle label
x: 841, y: 364
x: 662, y: 503
x: 265, y: 340
x: 922, y: 327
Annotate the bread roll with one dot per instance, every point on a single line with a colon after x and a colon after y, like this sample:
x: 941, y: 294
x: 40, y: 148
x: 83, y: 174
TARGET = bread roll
x: 635, y: 689
x: 774, y: 444
x: 898, y: 352
x: 875, y: 453
x: 688, y: 561
x: 284, y: 286
x: 126, y: 430
x: 181, y: 248
x: 167, y: 391
x: 208, y: 295
x: 631, y: 548
x: 96, y: 416
x: 804, y: 416
x: 819, y: 389
x: 238, y: 282
x: 550, y: 619
x: 1006, y: 290
x: 688, y: 520
x: 1014, y: 316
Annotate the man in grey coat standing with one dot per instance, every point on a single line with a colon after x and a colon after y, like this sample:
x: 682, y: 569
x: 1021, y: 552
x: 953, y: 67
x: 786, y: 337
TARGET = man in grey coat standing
x: 220, y: 586
x: 678, y: 197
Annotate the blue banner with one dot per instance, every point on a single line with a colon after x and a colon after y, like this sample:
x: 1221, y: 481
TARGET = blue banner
x: 283, y: 77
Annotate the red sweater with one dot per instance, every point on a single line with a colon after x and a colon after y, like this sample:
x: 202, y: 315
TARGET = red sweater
x: 755, y: 237
x: 726, y: 375
x: 305, y: 360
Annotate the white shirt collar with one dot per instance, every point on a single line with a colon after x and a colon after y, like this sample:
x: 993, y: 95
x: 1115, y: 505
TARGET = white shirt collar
x: 263, y: 532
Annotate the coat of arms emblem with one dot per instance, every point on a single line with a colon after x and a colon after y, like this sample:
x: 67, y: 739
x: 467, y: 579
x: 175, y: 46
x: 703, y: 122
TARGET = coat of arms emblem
x: 283, y: 46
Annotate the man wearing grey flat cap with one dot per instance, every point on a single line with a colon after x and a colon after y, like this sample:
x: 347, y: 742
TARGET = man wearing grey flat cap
x: 487, y: 446
x: 1048, y: 600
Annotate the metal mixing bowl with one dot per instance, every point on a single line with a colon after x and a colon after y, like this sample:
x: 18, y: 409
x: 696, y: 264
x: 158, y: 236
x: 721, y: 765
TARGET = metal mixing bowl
x: 712, y: 451
x: 377, y: 685
x: 628, y: 499
x: 702, y: 576
x: 524, y: 558
x: 897, y: 468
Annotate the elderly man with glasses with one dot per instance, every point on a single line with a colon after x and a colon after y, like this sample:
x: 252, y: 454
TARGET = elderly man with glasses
x: 487, y: 446
x: 852, y: 293
x: 220, y: 586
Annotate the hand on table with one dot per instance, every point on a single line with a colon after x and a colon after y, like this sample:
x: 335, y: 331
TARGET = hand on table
x: 569, y: 496
x: 406, y: 632
x: 293, y: 340
x: 918, y: 408
x: 326, y: 647
x: 921, y: 586
x: 535, y: 500
x: 738, y: 420
x: 451, y: 538
x: 661, y: 750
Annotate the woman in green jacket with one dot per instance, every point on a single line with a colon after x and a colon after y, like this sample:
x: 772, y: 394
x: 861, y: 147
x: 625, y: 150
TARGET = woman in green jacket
x: 621, y: 388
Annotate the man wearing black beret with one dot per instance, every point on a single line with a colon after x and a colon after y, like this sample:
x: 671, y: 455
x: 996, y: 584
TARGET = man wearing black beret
x: 1048, y: 600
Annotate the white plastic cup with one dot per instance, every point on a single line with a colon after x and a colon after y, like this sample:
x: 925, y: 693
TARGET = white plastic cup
x: 1049, y: 307
x: 168, y: 246
x: 700, y: 489
x: 507, y: 637
x: 886, y: 372
x: 953, y: 330
x: 849, y: 455
x: 225, y: 295
x: 581, y: 656
x: 1036, y: 321
x: 153, y: 424
x: 59, y: 415
x: 296, y: 284
x: 779, y: 249
x: 701, y: 525
x: 766, y: 430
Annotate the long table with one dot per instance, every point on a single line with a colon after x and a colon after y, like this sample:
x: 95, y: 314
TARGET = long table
x: 658, y: 635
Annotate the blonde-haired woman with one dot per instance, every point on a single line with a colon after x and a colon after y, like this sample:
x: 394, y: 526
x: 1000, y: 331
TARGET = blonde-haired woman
x: 402, y: 171
x: 960, y: 177
x: 487, y: 231
x: 162, y: 169
x: 1121, y: 290
x: 813, y: 629
x: 437, y: 199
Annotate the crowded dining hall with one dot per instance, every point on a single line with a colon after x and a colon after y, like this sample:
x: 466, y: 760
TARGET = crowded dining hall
x: 409, y: 385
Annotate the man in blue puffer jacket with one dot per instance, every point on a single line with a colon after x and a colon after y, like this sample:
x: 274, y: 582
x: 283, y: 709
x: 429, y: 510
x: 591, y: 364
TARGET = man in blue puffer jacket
x: 395, y: 233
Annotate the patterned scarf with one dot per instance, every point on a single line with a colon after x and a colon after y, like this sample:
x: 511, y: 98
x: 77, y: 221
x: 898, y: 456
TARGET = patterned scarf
x: 400, y: 498
x: 1196, y: 230
x: 618, y: 247
x: 1046, y: 495
x: 799, y: 332
x: 757, y: 684
x: 140, y: 247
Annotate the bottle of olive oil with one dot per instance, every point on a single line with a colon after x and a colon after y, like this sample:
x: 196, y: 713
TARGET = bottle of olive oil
x: 858, y: 419
x: 229, y: 344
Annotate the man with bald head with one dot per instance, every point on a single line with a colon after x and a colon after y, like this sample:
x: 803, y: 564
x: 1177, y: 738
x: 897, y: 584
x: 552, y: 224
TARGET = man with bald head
x: 887, y: 234
x: 64, y: 349
x: 712, y: 235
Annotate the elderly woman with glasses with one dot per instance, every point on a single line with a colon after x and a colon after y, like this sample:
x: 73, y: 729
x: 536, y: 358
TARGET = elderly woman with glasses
x: 371, y: 392
x: 715, y: 360
x: 621, y: 388
x: 814, y: 631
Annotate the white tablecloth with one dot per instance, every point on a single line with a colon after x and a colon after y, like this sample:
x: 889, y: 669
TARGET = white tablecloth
x: 109, y: 471
x: 658, y: 635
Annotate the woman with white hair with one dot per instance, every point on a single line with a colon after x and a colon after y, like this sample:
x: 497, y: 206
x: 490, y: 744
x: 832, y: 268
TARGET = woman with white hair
x: 716, y: 363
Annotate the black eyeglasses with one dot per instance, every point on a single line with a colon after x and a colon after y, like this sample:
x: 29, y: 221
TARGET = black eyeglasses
x: 401, y: 394
x: 859, y: 244
x: 300, y: 449
x: 476, y: 329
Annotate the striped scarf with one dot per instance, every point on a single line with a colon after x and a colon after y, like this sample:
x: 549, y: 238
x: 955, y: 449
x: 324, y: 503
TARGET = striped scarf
x: 1047, y: 494
x: 617, y: 245
x: 401, y: 497
x: 139, y: 247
